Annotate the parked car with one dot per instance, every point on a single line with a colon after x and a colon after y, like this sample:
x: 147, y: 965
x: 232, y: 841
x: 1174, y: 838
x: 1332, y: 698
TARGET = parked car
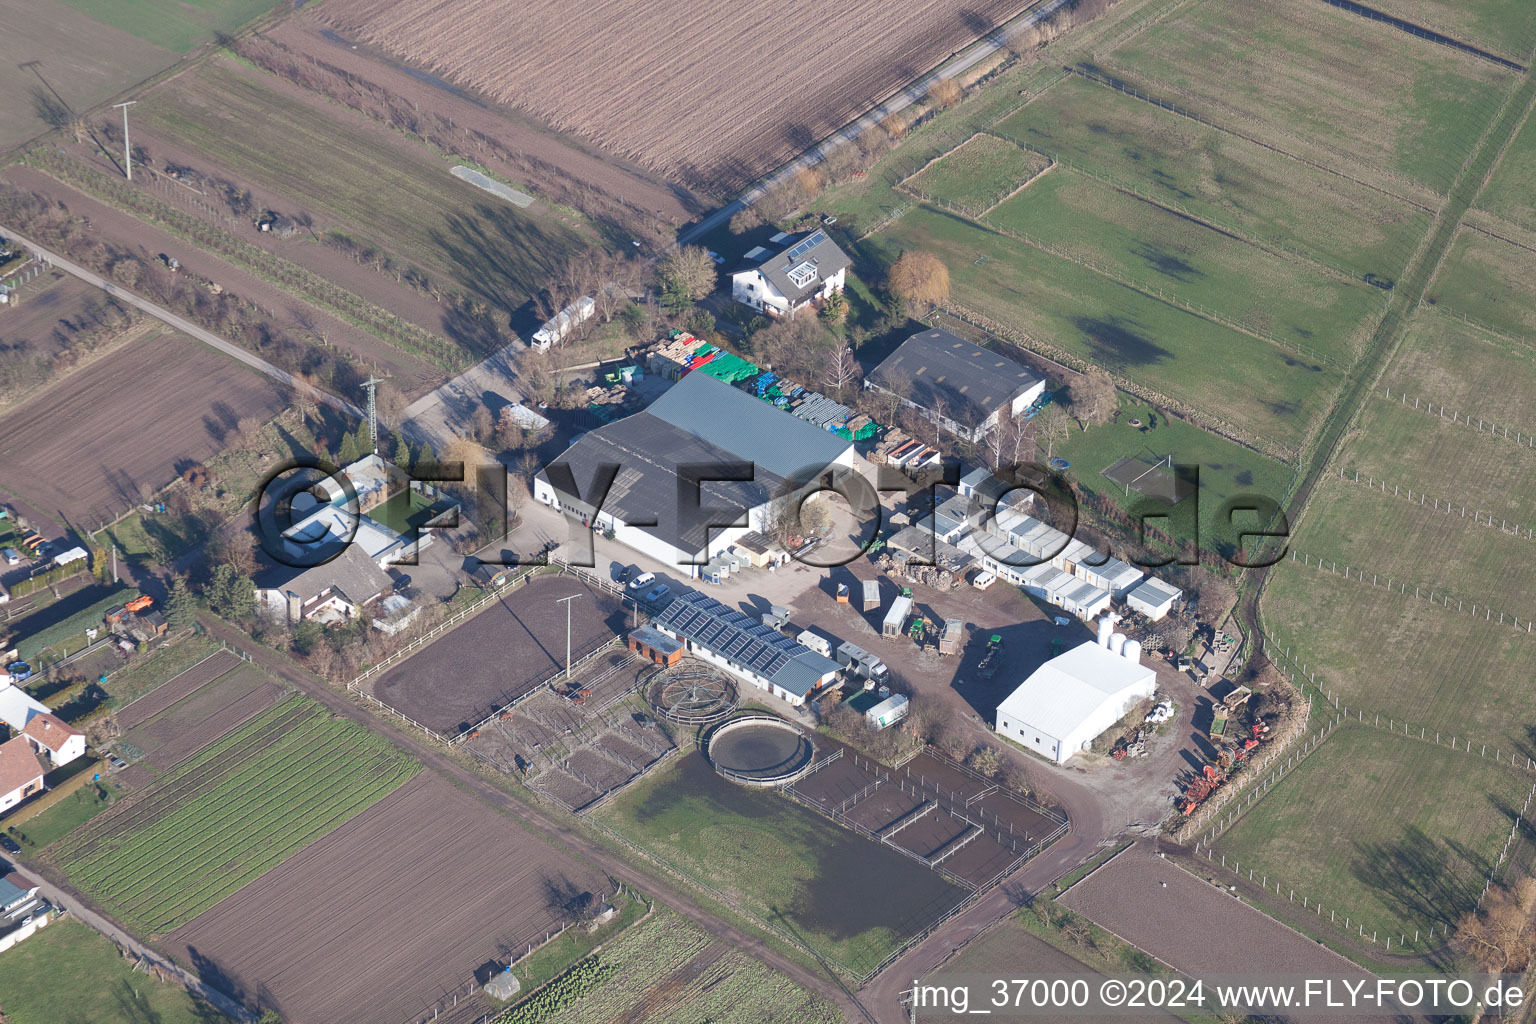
x: 12, y: 556
x: 982, y: 579
x: 10, y: 845
x: 642, y: 581
x: 656, y: 594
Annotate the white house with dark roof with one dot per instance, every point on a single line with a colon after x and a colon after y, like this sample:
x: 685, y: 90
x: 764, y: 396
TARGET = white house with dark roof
x: 961, y: 386
x: 339, y: 589
x: 795, y: 272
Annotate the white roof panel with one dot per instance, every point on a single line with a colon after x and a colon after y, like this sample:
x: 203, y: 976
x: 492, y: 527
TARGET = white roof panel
x: 1069, y: 689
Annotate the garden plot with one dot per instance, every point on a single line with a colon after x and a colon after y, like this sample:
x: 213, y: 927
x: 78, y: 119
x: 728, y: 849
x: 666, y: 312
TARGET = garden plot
x: 227, y: 815
x: 133, y: 715
x: 197, y: 720
x: 1222, y: 178
x: 1396, y: 110
x: 1395, y: 833
x: 977, y: 174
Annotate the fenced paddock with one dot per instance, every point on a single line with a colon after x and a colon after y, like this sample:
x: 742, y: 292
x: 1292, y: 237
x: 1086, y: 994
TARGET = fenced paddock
x: 932, y: 810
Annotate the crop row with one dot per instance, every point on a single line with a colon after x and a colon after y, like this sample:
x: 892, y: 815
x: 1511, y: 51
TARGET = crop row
x: 639, y: 958
x: 187, y: 783
x: 568, y: 989
x: 347, y: 305
x: 230, y: 814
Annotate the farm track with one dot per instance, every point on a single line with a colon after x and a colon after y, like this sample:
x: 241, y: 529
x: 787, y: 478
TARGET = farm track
x: 560, y: 829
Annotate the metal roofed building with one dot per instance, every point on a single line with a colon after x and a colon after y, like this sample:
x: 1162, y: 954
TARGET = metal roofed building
x: 962, y: 386
x: 746, y: 648
x: 1072, y: 698
x: 700, y: 422
x: 1153, y: 598
x: 750, y: 429
x: 799, y: 270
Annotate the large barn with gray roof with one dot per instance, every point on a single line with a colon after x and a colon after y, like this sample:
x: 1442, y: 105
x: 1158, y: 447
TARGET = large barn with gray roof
x: 655, y: 455
x: 962, y: 386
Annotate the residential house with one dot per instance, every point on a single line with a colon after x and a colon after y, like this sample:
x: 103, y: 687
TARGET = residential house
x: 338, y: 590
x: 795, y: 272
x: 51, y: 737
x: 21, y: 772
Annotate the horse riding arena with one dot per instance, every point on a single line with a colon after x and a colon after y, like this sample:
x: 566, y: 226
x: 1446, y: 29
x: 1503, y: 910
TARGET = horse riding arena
x: 506, y: 651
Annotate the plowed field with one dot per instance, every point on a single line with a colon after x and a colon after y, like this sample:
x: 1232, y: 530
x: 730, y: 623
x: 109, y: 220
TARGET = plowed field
x: 375, y: 922
x: 713, y: 95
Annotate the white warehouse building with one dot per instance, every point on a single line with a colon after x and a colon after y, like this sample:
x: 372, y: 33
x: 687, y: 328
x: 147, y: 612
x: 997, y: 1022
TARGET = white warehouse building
x: 1075, y: 696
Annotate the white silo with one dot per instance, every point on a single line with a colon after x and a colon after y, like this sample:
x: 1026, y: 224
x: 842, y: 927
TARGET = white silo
x: 1106, y: 626
x: 1117, y: 643
x: 1133, y: 651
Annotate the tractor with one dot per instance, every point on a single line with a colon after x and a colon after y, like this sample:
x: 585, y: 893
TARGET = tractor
x: 988, y: 665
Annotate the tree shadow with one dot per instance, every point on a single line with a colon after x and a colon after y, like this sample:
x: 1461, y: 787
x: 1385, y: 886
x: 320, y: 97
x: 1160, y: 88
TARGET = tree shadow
x: 1116, y: 340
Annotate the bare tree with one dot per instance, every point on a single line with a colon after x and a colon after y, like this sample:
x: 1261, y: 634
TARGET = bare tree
x: 688, y: 271
x: 1501, y: 935
x: 1050, y: 428
x: 920, y: 278
x: 746, y: 219
x: 1093, y: 398
x: 842, y: 370
x: 944, y: 93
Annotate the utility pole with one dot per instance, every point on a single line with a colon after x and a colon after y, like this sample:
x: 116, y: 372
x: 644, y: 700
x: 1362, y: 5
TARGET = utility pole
x: 567, y: 602
x: 371, y: 385
x: 127, y: 151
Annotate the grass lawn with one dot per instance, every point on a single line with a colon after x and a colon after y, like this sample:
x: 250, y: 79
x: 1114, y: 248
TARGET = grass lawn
x: 225, y: 816
x: 377, y: 189
x: 1511, y: 193
x: 1403, y: 657
x: 1323, y: 83
x: 1468, y: 370
x: 1250, y: 384
x: 177, y: 25
x: 571, y: 945
x: 852, y: 900
x: 1393, y: 832
x: 67, y: 815
x: 978, y: 174
x: 1315, y: 312
x: 155, y: 537
x: 69, y: 974
x: 84, y: 608
x: 1490, y: 280
x: 1227, y: 470
x: 1219, y: 177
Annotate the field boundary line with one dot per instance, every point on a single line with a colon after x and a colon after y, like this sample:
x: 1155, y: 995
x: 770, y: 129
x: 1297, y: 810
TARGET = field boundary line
x: 1108, y: 860
x: 1479, y: 517
x: 1522, y: 439
x: 1424, y: 32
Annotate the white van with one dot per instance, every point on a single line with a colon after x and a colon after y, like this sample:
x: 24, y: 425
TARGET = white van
x: 642, y: 581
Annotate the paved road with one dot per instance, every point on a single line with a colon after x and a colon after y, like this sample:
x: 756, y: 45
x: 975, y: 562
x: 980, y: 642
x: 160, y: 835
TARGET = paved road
x: 914, y: 92
x: 432, y: 756
x: 185, y: 326
x: 77, y: 907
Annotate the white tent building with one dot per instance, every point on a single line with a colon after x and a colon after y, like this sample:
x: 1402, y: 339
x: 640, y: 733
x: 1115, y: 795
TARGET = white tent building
x: 1075, y: 696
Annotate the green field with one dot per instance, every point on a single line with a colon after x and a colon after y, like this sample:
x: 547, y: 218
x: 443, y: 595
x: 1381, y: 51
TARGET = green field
x: 1511, y: 192
x: 67, y: 815
x: 45, y: 631
x: 1404, y: 658
x: 1314, y: 312
x: 632, y: 977
x: 1416, y: 545
x: 1322, y: 83
x: 177, y: 25
x: 69, y: 974
x: 1504, y: 27
x: 227, y: 815
x: 1221, y: 178
x: 1247, y: 382
x: 156, y: 537
x: 1447, y: 362
x: 1490, y: 280
x: 1339, y: 829
x: 359, y: 177
x: 147, y: 671
x: 978, y: 174
x: 850, y: 899
x: 1407, y: 447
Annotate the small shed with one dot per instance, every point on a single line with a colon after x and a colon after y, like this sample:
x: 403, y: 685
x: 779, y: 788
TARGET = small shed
x: 953, y: 637
x: 871, y: 595
x: 655, y: 646
x: 1153, y: 598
